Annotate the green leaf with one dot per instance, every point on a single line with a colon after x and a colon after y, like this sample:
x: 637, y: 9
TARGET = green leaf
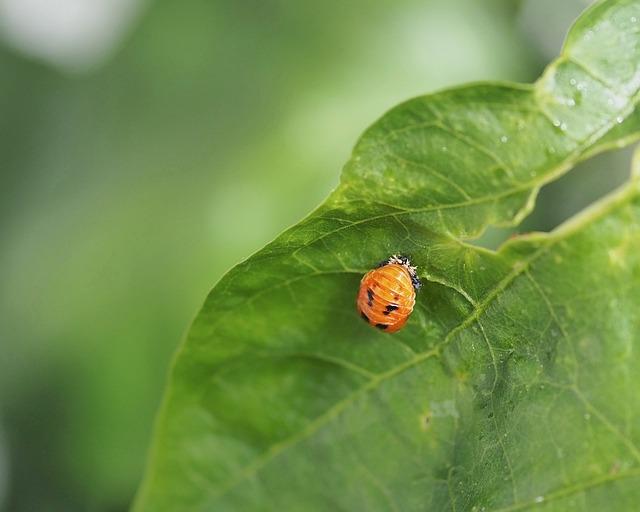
x: 514, y: 383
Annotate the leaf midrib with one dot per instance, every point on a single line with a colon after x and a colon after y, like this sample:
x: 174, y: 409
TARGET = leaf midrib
x: 570, y: 490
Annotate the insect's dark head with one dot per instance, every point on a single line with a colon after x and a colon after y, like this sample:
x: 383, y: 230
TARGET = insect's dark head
x: 405, y: 261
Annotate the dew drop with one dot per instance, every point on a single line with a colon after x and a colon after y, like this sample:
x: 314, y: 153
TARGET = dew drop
x: 572, y: 81
x: 633, y: 19
x: 444, y: 148
x: 563, y: 126
x: 504, y: 139
x: 539, y: 499
x: 619, y: 119
x: 571, y: 102
x: 556, y: 123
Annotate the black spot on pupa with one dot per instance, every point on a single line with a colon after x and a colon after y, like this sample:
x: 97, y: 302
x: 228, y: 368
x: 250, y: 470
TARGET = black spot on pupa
x: 382, y: 327
x: 364, y: 317
x: 370, y: 296
x: 390, y: 308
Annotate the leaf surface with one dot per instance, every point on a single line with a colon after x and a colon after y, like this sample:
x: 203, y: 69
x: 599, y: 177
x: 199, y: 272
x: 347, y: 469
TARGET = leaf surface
x: 514, y: 383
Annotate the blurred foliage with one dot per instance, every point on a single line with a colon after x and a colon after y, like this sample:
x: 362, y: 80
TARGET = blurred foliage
x: 128, y: 189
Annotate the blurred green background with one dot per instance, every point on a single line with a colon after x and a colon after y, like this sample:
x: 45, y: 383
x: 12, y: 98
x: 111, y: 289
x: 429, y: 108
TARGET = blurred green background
x: 146, y: 147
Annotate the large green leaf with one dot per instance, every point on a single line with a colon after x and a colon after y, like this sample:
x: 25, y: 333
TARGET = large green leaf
x: 513, y: 384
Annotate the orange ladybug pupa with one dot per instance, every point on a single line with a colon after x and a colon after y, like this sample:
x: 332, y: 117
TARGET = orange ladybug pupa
x: 388, y: 294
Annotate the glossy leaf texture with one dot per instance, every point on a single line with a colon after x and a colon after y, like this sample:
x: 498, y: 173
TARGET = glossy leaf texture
x: 514, y: 384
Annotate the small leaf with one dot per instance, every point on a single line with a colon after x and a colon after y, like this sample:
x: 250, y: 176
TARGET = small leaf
x: 514, y: 384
